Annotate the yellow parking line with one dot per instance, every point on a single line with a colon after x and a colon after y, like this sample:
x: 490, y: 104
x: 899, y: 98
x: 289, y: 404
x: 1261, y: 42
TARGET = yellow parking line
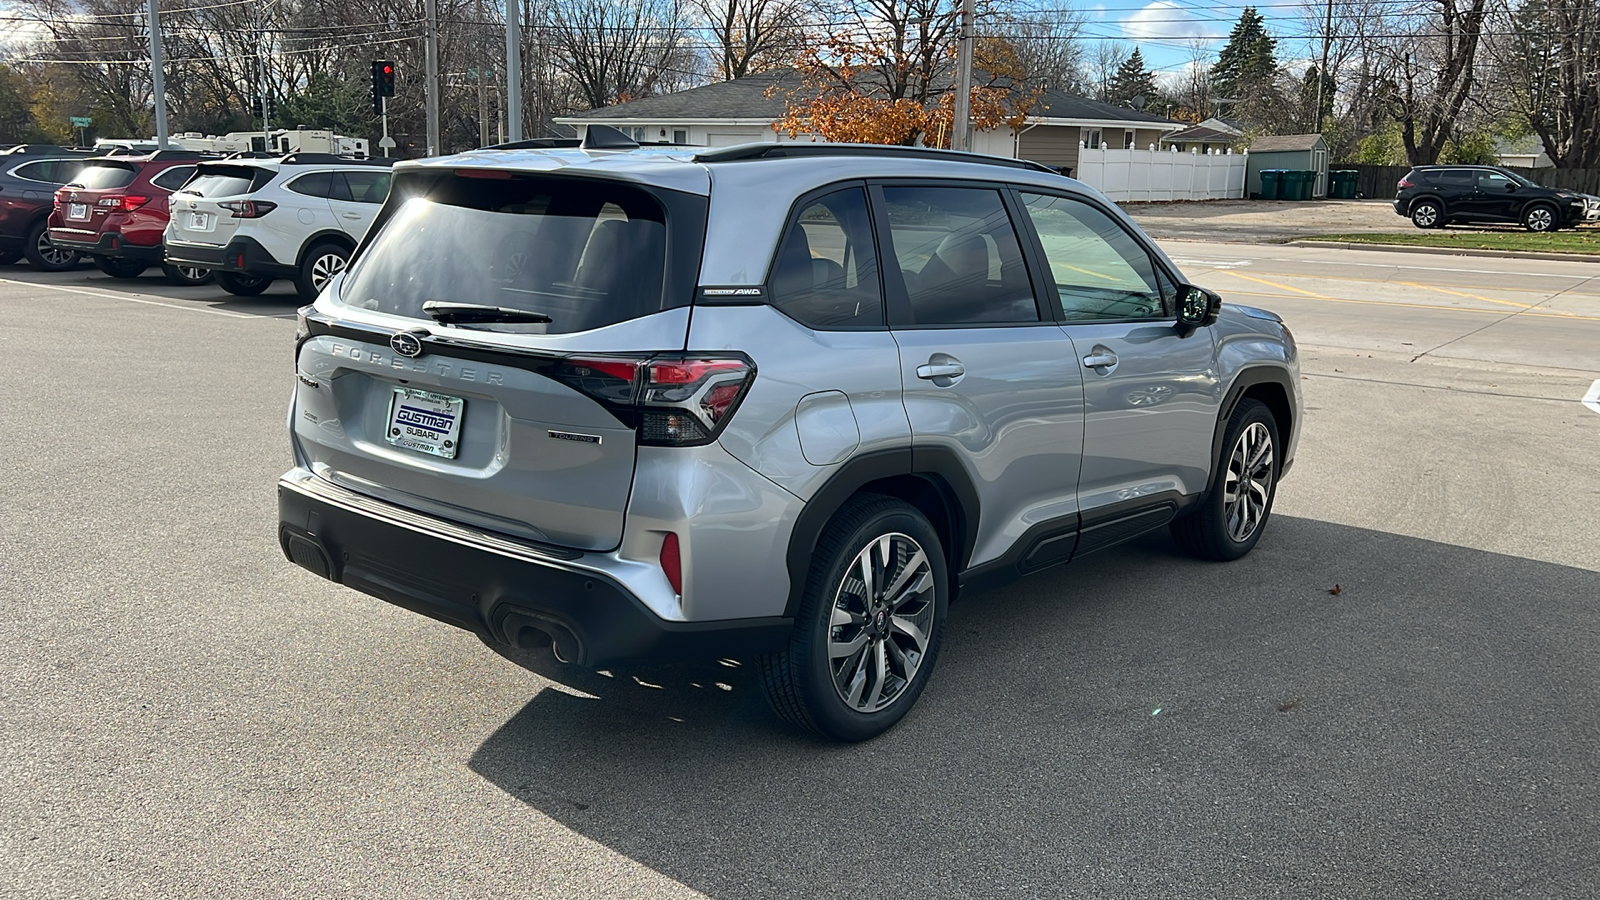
x: 1281, y: 287
x: 1429, y: 287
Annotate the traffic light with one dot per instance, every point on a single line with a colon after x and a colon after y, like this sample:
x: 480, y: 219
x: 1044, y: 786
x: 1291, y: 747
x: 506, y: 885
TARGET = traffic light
x: 382, y: 83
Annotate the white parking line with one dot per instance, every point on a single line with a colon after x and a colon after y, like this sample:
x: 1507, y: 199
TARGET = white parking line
x: 1592, y: 399
x: 140, y: 298
x: 1211, y: 263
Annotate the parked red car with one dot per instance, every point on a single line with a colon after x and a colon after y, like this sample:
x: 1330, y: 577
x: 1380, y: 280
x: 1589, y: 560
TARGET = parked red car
x: 114, y: 211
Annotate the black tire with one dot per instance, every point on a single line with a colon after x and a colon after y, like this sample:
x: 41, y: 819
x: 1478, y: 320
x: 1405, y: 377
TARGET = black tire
x: 801, y: 680
x: 1206, y: 532
x: 186, y: 275
x: 316, y: 268
x: 1541, y: 218
x: 119, y: 267
x: 44, y: 256
x: 1427, y: 214
x: 241, y: 285
x: 10, y: 257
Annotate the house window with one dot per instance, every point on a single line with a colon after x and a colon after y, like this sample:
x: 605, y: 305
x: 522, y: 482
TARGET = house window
x: 1127, y: 139
x: 680, y: 136
x: 1094, y: 139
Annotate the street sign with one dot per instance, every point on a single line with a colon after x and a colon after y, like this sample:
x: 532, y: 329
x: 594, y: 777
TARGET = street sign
x: 387, y: 143
x: 81, y: 121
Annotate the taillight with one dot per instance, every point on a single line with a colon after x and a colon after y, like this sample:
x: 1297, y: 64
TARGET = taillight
x: 1405, y: 183
x: 673, y: 401
x: 248, y: 209
x: 126, y: 201
x: 671, y: 563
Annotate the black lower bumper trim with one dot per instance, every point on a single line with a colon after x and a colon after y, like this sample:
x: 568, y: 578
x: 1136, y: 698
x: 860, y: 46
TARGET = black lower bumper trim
x: 110, y: 245
x: 244, y: 255
x: 590, y: 618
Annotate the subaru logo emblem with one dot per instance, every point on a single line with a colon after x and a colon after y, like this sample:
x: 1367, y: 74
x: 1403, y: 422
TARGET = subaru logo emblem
x: 406, y: 344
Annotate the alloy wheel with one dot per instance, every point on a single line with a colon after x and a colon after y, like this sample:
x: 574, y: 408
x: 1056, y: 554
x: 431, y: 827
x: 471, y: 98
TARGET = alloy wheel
x: 1249, y: 482
x: 882, y: 615
x: 325, y: 267
x: 194, y: 273
x: 1426, y: 215
x: 1540, y: 219
x: 52, y: 254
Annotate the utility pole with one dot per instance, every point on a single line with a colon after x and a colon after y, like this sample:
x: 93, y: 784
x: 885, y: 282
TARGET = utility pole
x: 261, y: 75
x: 157, y: 77
x: 513, y: 70
x: 431, y: 39
x: 483, y: 89
x: 1322, y: 73
x: 961, y: 128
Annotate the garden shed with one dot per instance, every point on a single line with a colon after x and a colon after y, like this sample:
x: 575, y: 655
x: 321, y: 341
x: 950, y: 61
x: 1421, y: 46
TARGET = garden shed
x: 1294, y: 152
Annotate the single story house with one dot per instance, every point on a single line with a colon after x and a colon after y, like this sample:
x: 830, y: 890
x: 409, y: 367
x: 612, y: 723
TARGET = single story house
x: 743, y: 111
x: 1213, y: 134
x: 1526, y: 152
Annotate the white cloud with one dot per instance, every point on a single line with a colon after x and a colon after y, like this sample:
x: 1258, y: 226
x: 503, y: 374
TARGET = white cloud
x: 1164, y: 20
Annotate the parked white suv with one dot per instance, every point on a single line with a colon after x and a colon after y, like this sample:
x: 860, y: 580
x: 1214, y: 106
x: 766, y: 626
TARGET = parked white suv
x: 253, y: 220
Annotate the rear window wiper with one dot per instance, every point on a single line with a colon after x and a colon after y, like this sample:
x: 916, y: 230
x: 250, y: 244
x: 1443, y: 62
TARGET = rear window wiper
x: 447, y: 313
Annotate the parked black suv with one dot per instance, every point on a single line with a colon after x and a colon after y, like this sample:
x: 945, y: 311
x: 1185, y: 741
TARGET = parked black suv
x: 1435, y: 196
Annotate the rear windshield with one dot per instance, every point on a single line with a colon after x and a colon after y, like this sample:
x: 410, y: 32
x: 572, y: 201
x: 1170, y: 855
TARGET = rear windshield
x: 102, y: 176
x: 227, y: 181
x: 585, y: 253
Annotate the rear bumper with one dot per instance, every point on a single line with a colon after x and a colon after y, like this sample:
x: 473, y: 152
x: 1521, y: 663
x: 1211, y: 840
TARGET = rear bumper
x: 109, y: 244
x: 502, y: 589
x: 244, y: 255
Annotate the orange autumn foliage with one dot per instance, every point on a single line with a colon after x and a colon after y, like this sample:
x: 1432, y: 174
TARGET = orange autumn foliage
x: 898, y: 88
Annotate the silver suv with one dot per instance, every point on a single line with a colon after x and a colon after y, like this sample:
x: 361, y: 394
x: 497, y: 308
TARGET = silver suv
x: 773, y: 402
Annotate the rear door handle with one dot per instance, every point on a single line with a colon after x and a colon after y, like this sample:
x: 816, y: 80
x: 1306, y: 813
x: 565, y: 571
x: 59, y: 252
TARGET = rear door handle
x: 942, y: 370
x: 1099, y: 360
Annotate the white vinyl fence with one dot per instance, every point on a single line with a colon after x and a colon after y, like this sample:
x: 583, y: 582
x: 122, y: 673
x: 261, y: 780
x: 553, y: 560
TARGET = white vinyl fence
x: 1135, y: 175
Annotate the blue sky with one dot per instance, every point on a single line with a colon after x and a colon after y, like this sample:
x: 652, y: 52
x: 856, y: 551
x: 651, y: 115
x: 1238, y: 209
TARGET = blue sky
x: 1164, y: 29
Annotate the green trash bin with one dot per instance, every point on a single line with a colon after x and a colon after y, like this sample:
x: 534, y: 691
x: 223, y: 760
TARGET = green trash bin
x: 1342, y: 185
x: 1297, y: 184
x: 1271, y: 183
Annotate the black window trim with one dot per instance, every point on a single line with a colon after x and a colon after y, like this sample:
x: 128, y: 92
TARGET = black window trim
x: 289, y: 185
x: 898, y: 299
x: 156, y: 178
x: 1157, y: 267
x: 350, y: 196
x: 800, y: 205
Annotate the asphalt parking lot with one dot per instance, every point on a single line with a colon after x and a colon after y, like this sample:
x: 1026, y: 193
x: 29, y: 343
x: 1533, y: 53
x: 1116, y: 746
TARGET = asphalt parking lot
x: 187, y: 715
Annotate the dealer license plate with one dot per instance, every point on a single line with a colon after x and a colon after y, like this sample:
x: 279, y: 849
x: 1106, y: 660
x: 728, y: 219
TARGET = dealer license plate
x: 200, y: 221
x: 77, y: 210
x: 425, y: 422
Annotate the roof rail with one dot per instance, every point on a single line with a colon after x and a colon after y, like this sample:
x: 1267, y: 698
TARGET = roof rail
x: 781, y: 151
x: 548, y: 143
x: 299, y: 158
x: 41, y: 149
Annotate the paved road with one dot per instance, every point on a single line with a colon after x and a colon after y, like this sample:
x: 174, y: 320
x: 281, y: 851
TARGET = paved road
x: 185, y: 714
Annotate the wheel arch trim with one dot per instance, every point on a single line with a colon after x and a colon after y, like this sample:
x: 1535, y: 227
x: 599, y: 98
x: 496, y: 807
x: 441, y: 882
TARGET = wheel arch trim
x: 937, y: 467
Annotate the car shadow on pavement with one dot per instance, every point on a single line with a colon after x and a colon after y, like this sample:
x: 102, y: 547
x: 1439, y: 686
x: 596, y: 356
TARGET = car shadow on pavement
x: 1136, y: 724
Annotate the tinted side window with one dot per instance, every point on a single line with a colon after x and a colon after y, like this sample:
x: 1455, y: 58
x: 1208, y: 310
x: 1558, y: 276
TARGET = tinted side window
x: 826, y: 274
x: 173, y: 178
x: 1100, y: 270
x: 1493, y: 183
x: 44, y: 170
x: 1455, y: 178
x: 316, y: 184
x: 958, y: 252
x: 366, y: 187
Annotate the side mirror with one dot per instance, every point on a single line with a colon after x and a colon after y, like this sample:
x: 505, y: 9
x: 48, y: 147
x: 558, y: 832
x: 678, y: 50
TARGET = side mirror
x: 1197, y: 307
x: 1511, y: 186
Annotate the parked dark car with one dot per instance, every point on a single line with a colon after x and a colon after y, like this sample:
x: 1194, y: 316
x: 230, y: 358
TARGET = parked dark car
x: 1436, y: 196
x: 114, y: 211
x: 29, y: 176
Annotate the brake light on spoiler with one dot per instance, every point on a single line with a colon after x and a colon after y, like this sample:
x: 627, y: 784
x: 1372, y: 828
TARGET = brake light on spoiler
x: 674, y: 400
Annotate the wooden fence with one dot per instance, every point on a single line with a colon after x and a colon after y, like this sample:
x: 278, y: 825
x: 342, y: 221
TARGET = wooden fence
x: 1377, y: 182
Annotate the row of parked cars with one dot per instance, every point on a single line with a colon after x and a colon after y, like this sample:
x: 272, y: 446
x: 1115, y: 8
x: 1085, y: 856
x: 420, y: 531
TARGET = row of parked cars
x: 244, y: 222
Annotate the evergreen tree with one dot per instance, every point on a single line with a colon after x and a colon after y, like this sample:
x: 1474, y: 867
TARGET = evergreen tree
x: 1247, y: 61
x: 1132, y: 80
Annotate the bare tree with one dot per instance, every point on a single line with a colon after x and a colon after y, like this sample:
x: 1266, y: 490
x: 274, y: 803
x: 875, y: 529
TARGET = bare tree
x: 750, y: 36
x: 1547, y: 56
x: 1436, y: 63
x: 1104, y: 61
x: 1047, y: 39
x: 616, y: 50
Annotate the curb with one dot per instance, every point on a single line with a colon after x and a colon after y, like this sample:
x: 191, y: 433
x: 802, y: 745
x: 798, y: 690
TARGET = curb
x: 1448, y: 251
